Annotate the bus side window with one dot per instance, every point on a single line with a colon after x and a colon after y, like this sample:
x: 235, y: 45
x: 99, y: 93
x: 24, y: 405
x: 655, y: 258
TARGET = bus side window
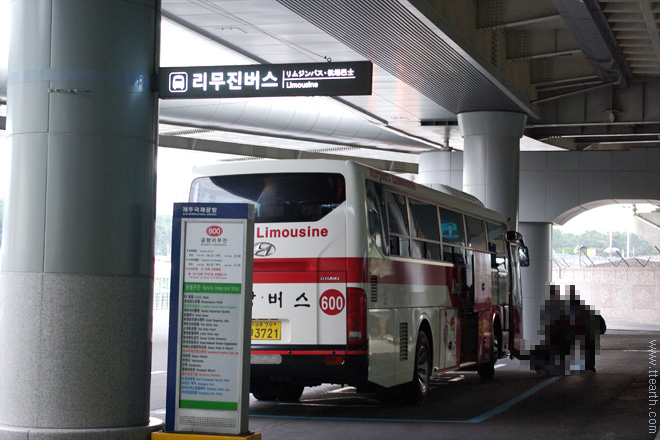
x: 454, y: 255
x: 426, y: 250
x: 495, y: 242
x: 453, y: 231
x: 397, y: 215
x: 375, y: 216
x: 424, y: 220
x: 496, y: 237
x: 476, y: 233
x: 425, y: 230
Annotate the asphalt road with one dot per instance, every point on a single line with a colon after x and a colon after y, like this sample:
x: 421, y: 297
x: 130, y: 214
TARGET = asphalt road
x: 614, y: 403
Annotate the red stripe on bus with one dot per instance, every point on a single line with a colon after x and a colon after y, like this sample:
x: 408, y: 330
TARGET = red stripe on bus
x: 305, y: 270
x: 284, y: 277
x: 310, y: 352
x: 299, y: 277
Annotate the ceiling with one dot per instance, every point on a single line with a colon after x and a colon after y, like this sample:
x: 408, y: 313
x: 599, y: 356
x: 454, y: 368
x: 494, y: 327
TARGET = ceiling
x: 586, y: 72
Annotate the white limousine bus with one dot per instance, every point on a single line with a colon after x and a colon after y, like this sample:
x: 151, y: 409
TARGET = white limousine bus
x: 367, y: 279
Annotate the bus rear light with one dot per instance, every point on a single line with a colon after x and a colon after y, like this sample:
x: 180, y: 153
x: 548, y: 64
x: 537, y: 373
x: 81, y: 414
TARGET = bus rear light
x: 333, y: 360
x: 356, y: 316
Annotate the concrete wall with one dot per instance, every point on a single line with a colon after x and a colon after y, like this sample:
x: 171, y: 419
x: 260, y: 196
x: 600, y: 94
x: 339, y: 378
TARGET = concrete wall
x: 557, y: 186
x: 627, y: 297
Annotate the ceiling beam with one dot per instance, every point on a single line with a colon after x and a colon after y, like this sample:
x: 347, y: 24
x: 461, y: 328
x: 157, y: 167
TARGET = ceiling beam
x: 514, y: 24
x: 589, y: 26
x: 651, y: 26
x: 545, y: 55
x: 262, y: 152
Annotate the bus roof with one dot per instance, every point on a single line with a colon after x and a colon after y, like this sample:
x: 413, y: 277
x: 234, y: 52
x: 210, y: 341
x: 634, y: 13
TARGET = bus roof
x: 441, y: 194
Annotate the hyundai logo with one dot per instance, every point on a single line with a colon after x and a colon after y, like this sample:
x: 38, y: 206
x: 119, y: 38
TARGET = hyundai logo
x: 263, y: 249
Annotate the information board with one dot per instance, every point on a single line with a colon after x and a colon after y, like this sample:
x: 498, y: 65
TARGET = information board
x: 266, y: 80
x: 209, y: 342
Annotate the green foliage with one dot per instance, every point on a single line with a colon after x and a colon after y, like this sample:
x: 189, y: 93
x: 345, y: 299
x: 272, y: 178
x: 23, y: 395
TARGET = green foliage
x: 565, y: 243
x: 163, y: 235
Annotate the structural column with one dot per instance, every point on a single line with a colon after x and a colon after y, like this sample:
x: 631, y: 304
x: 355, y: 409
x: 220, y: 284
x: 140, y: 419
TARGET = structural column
x: 491, y: 159
x: 77, y: 271
x: 537, y: 277
x: 441, y: 168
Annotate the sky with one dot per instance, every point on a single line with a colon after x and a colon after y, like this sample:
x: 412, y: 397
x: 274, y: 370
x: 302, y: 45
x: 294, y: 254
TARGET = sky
x: 175, y: 166
x: 610, y: 218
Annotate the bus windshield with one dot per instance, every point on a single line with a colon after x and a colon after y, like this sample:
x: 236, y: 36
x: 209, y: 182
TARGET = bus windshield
x: 278, y: 197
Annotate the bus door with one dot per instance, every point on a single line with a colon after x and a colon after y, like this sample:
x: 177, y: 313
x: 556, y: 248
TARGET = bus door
x: 483, y: 305
x: 515, y: 302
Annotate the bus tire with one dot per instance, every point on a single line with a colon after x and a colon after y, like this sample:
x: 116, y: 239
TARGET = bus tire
x: 487, y: 371
x: 418, y: 389
x: 288, y: 391
x: 262, y: 390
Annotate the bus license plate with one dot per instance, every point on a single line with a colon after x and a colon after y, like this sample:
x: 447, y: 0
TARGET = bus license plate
x: 266, y: 330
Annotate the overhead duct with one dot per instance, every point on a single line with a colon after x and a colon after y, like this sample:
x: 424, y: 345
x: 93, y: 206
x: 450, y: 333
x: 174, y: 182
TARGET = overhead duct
x: 298, y: 118
x: 589, y: 27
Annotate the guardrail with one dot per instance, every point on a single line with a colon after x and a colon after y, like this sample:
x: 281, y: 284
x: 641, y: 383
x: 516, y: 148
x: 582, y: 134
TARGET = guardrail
x: 563, y: 261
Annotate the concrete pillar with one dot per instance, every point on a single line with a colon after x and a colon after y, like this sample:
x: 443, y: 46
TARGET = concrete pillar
x: 441, y: 168
x: 491, y: 159
x: 536, y: 277
x: 77, y: 271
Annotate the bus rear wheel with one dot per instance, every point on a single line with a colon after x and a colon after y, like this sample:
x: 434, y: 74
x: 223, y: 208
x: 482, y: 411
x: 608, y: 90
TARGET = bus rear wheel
x: 287, y: 391
x: 262, y: 389
x: 418, y: 389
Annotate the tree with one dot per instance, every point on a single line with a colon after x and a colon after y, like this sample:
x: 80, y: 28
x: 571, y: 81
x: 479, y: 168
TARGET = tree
x: 595, y: 240
x: 163, y: 235
x: 565, y: 242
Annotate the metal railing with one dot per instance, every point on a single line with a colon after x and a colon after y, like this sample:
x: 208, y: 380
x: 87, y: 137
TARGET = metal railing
x: 581, y: 259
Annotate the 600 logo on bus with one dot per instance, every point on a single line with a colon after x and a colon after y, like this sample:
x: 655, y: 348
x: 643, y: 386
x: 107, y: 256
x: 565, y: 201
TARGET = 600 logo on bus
x: 214, y: 231
x: 332, y: 302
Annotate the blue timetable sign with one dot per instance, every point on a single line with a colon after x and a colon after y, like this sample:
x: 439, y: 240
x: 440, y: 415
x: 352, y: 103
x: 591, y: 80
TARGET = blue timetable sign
x: 266, y: 80
x: 208, y: 370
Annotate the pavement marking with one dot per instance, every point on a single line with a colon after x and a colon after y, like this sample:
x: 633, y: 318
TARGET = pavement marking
x: 495, y: 411
x: 478, y: 419
x: 332, y: 405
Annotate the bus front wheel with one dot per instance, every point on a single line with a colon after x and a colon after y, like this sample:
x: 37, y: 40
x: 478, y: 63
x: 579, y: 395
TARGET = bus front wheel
x: 419, y: 387
x: 487, y: 371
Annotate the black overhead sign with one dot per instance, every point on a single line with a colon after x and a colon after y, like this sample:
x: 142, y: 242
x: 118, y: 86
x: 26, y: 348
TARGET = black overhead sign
x: 312, y: 79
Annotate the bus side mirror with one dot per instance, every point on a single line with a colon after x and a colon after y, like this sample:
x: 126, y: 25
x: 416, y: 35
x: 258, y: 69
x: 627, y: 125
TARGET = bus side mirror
x: 513, y: 236
x: 523, y: 255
